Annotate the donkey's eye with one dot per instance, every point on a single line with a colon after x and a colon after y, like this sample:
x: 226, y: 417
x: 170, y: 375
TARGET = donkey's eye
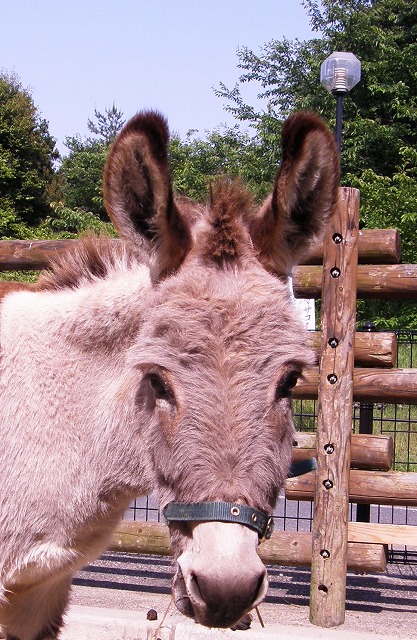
x: 159, y: 387
x: 287, y: 384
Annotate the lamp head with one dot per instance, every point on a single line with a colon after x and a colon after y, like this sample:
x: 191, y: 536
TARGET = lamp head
x: 340, y: 72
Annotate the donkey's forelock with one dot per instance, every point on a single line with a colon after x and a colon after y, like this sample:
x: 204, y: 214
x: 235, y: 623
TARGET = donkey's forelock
x: 226, y: 239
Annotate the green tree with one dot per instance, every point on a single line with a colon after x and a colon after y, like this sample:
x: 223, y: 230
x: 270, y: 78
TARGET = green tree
x: 27, y: 154
x: 80, y: 175
x: 196, y: 161
x: 79, y: 181
x: 107, y: 124
x: 380, y: 114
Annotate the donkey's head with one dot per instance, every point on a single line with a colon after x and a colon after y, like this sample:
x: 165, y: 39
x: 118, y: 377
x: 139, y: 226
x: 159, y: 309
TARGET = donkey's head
x: 220, y: 349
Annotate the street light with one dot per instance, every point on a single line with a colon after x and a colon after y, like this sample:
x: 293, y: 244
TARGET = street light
x: 338, y: 74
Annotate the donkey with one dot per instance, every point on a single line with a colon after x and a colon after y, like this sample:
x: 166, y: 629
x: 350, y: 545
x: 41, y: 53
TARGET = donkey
x: 163, y: 361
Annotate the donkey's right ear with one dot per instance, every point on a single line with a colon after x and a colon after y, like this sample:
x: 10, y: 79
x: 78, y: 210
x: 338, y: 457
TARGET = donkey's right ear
x: 304, y: 196
x: 138, y: 192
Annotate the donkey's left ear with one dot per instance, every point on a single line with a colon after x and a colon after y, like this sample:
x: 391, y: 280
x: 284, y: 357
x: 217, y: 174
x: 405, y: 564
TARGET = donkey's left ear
x: 138, y: 192
x: 304, y: 195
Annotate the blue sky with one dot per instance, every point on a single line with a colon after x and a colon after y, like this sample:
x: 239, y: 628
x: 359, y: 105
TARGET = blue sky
x: 78, y: 55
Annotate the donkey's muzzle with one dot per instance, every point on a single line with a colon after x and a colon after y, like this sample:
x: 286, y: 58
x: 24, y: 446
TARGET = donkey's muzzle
x: 220, y: 577
x: 223, y: 604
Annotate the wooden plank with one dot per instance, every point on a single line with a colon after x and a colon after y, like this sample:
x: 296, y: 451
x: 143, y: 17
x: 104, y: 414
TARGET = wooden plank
x: 365, y: 487
x: 395, y: 281
x: 378, y: 533
x: 376, y: 246
x: 334, y: 419
x: 369, y: 385
x: 285, y: 548
x: 141, y: 537
x: 369, y: 452
x: 372, y: 349
x: 293, y: 548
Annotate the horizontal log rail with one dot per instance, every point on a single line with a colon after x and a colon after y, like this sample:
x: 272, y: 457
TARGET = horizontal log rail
x: 365, y: 487
x: 393, y: 281
x: 285, y: 548
x: 379, y: 533
x: 369, y: 385
x: 368, y: 452
x: 22, y: 255
x: 376, y: 246
x: 372, y: 349
x: 374, y: 281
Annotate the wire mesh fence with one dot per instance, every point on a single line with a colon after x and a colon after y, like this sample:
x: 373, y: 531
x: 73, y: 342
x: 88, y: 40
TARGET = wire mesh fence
x: 395, y: 420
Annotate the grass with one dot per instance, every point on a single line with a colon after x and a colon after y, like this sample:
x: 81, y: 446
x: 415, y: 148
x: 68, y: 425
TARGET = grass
x: 19, y: 276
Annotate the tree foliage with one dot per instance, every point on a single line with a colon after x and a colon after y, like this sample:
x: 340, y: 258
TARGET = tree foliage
x: 107, y: 124
x: 380, y: 113
x: 79, y: 180
x: 227, y: 151
x: 80, y: 175
x: 27, y: 154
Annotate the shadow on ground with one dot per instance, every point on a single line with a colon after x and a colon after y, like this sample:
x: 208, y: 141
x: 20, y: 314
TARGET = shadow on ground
x: 395, y: 591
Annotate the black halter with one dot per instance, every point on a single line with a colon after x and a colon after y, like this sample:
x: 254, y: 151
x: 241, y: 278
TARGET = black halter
x: 220, y: 512
x: 257, y: 520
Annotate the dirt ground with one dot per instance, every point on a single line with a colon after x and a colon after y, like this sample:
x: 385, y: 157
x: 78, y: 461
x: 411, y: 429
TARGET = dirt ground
x: 381, y: 604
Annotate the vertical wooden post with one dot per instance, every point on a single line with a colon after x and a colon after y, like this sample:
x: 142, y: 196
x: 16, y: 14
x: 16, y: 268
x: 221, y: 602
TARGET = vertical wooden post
x: 334, y: 421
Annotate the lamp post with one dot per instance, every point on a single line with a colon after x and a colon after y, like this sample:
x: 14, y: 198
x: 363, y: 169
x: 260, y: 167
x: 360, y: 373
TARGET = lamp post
x: 338, y: 74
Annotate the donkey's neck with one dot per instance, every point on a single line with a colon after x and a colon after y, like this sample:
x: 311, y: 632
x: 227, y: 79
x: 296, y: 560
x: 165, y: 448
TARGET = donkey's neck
x: 102, y: 315
x: 63, y: 373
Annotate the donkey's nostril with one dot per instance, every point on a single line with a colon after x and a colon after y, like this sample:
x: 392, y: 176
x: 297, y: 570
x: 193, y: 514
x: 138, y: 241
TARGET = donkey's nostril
x: 260, y: 587
x: 194, y: 591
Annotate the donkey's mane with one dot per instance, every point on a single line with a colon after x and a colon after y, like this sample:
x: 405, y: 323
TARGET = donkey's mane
x: 90, y: 259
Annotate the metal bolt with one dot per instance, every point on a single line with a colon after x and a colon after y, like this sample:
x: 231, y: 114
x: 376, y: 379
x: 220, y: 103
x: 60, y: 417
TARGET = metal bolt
x: 335, y: 272
x: 332, y: 378
x: 329, y: 448
x: 328, y: 484
x: 337, y: 238
x: 325, y: 553
x: 333, y: 342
